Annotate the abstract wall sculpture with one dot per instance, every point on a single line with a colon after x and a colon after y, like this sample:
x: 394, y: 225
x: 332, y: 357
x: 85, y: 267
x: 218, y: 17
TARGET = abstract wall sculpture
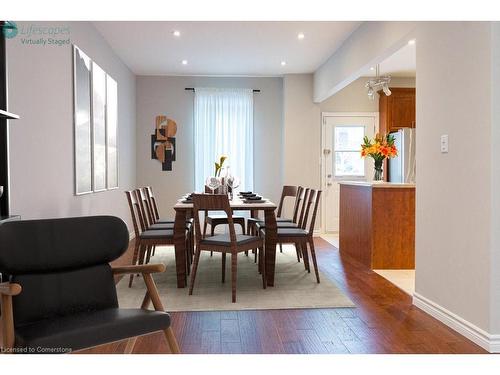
x: 163, y: 142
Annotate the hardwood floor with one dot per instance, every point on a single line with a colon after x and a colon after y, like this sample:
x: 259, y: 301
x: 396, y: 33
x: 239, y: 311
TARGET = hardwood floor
x: 384, y: 321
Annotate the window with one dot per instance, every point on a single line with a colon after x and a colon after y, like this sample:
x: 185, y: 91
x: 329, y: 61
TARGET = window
x: 347, y: 151
x: 223, y: 125
x: 95, y: 126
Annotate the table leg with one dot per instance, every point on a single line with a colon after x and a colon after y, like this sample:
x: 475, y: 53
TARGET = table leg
x: 180, y: 247
x: 270, y: 245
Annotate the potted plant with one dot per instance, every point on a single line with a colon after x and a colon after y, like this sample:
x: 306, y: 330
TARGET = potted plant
x: 379, y: 148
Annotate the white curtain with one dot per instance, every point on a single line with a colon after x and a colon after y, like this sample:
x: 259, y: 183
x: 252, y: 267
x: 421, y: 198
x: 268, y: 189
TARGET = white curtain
x: 223, y: 125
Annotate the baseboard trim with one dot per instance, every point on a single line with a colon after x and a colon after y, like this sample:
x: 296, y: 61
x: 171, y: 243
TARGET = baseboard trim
x: 491, y: 343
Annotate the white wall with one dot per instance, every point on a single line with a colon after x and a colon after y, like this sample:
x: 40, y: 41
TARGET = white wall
x: 41, y: 142
x: 453, y: 192
x: 166, y: 95
x: 495, y: 182
x: 301, y: 132
x: 457, y: 204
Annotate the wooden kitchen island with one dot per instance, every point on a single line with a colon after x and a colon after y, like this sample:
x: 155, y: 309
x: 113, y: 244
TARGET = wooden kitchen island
x: 377, y: 224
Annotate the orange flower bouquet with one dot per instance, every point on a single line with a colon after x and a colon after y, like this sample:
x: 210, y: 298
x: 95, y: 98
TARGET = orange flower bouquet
x: 379, y: 149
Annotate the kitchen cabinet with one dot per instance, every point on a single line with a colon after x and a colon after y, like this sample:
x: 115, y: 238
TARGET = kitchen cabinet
x: 397, y: 110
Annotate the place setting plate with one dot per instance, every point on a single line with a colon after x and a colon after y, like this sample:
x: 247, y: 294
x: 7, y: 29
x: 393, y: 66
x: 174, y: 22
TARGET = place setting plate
x: 249, y: 197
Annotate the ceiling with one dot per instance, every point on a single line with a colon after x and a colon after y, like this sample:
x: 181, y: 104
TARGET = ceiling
x: 403, y: 63
x: 224, y: 48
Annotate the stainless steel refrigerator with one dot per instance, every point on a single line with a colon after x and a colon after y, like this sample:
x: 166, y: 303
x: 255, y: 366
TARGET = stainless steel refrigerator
x: 402, y: 169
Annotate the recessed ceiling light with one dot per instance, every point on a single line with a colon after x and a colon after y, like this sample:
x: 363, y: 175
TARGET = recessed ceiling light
x: 372, y: 68
x: 176, y: 33
x: 283, y: 63
x: 411, y: 42
x: 184, y: 62
x: 300, y: 36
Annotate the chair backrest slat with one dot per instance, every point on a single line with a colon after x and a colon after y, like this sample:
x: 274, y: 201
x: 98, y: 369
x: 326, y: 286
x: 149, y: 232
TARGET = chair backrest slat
x: 298, y: 198
x: 308, y: 202
x: 312, y: 222
x: 212, y: 202
x: 288, y: 191
x: 303, y: 208
x: 135, y: 212
x: 152, y: 202
x: 146, y: 209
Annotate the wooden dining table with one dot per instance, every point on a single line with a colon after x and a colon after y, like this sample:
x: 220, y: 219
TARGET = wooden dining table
x: 184, y: 211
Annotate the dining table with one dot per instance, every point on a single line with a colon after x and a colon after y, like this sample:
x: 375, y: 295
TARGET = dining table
x: 184, y: 210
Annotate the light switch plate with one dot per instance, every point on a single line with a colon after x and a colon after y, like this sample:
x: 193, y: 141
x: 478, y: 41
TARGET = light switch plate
x: 444, y: 143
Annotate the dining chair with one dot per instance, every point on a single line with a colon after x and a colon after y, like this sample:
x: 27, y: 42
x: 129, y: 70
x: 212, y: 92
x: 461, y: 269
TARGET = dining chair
x: 61, y: 294
x: 154, y: 206
x: 300, y: 236
x: 287, y: 191
x: 220, y: 219
x: 145, y: 238
x: 149, y: 201
x: 231, y: 243
x: 299, y: 213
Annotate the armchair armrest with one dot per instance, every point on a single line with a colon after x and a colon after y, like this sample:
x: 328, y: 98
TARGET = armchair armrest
x: 143, y: 268
x: 10, y: 289
x: 7, y: 291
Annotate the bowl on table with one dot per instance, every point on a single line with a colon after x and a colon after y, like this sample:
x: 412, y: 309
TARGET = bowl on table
x: 254, y: 199
x: 246, y: 195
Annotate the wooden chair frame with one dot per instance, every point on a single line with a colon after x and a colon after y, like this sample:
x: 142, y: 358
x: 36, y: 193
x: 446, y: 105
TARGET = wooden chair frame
x: 141, y: 245
x: 149, y: 206
x: 311, y: 198
x: 10, y: 290
x: 220, y: 202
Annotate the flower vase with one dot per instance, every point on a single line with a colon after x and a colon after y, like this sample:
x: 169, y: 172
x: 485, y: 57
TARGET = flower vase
x: 379, y: 173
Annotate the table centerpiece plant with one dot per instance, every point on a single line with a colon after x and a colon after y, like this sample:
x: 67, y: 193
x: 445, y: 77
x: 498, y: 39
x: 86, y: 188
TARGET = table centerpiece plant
x: 379, y: 148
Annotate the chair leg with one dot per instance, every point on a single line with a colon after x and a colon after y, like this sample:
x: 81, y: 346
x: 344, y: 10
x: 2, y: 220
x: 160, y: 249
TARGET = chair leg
x: 262, y: 267
x: 234, y: 271
x: 154, y: 250
x: 193, y: 271
x: 172, y: 341
x: 134, y: 260
x: 212, y: 230
x: 130, y: 345
x: 148, y: 254
x: 205, y: 228
x: 281, y: 248
x: 313, y: 255
x: 223, y: 267
x: 188, y: 253
x: 305, y: 256
x: 298, y: 254
x: 142, y: 254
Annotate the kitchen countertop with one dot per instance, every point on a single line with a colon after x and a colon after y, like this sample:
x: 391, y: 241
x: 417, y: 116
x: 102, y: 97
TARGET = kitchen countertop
x: 382, y: 184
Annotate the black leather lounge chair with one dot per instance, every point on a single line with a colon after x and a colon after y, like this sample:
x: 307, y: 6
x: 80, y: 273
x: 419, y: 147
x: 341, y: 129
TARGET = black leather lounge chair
x: 61, y: 293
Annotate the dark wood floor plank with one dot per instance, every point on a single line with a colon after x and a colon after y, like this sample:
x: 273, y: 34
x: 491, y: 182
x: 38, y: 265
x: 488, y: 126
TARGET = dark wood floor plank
x: 230, y: 331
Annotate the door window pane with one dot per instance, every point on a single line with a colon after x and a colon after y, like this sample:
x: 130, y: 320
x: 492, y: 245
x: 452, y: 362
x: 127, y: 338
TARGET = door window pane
x: 349, y: 138
x: 347, y: 151
x: 349, y: 163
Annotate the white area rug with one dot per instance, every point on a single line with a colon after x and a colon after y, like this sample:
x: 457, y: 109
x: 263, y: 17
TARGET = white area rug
x: 294, y: 287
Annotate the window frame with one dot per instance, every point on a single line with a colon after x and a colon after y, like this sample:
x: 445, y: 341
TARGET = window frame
x: 335, y: 152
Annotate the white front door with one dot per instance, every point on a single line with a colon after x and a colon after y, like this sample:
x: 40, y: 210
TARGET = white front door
x: 342, y: 138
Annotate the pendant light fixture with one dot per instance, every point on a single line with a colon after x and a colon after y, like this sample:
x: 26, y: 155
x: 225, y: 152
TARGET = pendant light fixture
x: 377, y: 83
